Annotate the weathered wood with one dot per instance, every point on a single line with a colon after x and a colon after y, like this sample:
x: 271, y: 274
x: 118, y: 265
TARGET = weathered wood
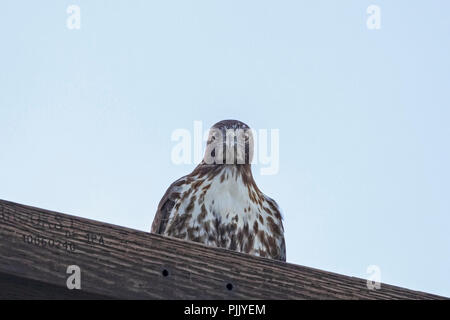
x: 14, y: 288
x: 38, y: 245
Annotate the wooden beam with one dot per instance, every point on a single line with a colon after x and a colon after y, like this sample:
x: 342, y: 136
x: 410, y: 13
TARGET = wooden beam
x: 37, y: 246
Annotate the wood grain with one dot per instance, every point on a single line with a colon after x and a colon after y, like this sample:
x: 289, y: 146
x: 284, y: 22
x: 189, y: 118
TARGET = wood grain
x: 117, y: 262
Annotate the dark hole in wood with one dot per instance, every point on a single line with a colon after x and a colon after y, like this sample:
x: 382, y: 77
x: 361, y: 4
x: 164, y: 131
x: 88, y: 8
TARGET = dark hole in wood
x: 165, y: 273
x: 229, y: 286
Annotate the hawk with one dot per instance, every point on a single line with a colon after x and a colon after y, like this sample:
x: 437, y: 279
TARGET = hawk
x: 219, y: 203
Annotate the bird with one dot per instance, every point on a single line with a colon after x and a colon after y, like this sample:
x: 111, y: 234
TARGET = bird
x: 219, y: 204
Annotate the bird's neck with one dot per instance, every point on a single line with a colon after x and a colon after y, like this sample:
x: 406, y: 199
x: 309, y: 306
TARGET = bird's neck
x: 227, y: 173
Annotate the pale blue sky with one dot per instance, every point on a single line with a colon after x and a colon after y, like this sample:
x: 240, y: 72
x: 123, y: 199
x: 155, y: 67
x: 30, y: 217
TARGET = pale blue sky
x: 86, y: 117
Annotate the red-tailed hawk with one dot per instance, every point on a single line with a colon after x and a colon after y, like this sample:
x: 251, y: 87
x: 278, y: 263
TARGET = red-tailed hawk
x: 219, y: 203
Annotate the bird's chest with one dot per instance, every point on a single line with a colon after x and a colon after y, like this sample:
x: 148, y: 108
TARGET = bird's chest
x: 225, y: 212
x: 217, y: 212
x: 229, y: 202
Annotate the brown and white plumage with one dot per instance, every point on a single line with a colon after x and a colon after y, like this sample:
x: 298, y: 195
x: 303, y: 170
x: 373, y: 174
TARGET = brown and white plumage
x: 219, y: 203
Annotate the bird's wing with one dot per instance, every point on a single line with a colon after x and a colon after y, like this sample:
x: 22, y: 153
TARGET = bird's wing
x: 283, y: 250
x: 276, y: 210
x: 165, y: 206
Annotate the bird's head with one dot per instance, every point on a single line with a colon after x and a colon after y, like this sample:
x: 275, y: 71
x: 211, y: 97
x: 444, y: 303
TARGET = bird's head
x: 229, y: 142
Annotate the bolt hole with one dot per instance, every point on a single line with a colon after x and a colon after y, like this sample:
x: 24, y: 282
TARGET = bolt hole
x: 229, y: 286
x: 165, y: 273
